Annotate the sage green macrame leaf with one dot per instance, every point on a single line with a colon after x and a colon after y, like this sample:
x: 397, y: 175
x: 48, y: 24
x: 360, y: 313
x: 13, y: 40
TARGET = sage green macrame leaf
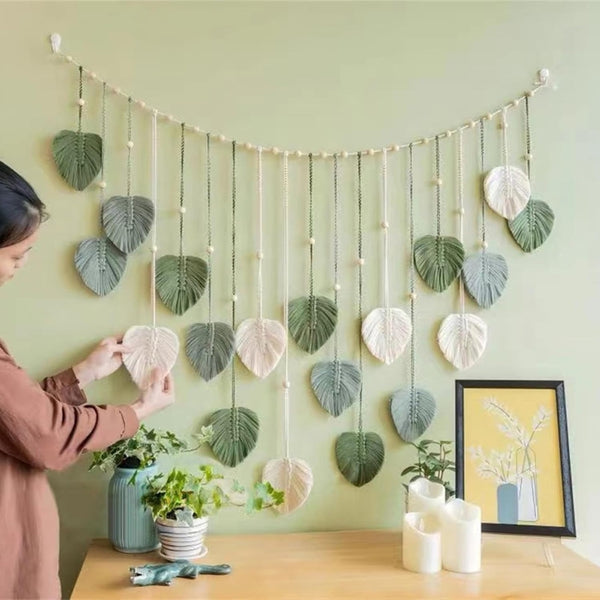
x: 531, y: 227
x: 78, y: 157
x: 359, y: 456
x: 127, y: 221
x: 485, y: 275
x: 235, y: 432
x: 311, y: 321
x: 336, y: 384
x: 438, y: 260
x: 412, y: 412
x: 100, y: 264
x: 209, y: 348
x: 180, y: 281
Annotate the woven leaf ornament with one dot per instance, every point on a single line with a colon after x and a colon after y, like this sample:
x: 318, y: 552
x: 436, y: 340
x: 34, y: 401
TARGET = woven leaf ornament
x: 209, y: 348
x: 294, y: 477
x: 412, y: 412
x: 359, y: 456
x: 100, y: 265
x: 485, y: 275
x: 260, y: 344
x: 531, y: 228
x: 127, y: 221
x: 312, y: 321
x: 78, y: 157
x: 507, y: 190
x: 180, y: 281
x: 462, y: 339
x: 386, y: 331
x: 438, y: 260
x: 336, y: 385
x: 235, y: 432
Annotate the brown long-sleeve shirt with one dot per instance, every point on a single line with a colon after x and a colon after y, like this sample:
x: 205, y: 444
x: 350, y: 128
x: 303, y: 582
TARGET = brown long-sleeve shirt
x: 42, y: 426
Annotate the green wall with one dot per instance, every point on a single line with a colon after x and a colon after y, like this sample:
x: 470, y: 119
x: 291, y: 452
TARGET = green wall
x: 312, y: 76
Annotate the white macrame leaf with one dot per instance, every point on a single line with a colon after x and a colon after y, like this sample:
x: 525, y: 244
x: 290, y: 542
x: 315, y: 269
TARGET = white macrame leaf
x: 150, y: 347
x: 507, y: 190
x: 260, y: 344
x: 386, y: 331
x: 292, y: 475
x: 462, y: 339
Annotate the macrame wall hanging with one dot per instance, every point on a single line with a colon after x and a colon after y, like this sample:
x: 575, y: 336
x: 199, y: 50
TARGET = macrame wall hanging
x: 336, y: 384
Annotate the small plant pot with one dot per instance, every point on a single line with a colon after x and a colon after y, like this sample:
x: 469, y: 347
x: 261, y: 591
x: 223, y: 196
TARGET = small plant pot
x: 180, y: 541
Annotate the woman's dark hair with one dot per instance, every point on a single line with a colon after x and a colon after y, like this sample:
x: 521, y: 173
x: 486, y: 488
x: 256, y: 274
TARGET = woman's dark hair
x: 21, y: 211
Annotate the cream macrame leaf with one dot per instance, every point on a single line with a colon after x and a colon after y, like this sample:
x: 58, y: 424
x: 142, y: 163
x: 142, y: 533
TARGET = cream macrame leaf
x: 412, y: 412
x: 336, y: 384
x: 209, y: 348
x: 359, y: 456
x: 485, y: 275
x: 294, y: 477
x: 235, y: 432
x: 127, y: 221
x: 386, y: 331
x: 438, y: 260
x: 507, y: 190
x: 531, y: 228
x: 78, y: 157
x: 462, y: 339
x: 311, y: 321
x: 100, y: 264
x: 150, y: 348
x: 260, y: 344
x: 180, y: 281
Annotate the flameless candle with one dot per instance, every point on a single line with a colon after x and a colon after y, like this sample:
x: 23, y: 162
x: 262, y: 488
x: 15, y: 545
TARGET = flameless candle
x: 425, y: 496
x: 461, y: 536
x: 421, y: 543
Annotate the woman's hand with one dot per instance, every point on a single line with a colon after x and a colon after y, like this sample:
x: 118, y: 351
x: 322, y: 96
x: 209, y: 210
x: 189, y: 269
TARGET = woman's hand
x: 159, y: 394
x: 104, y: 360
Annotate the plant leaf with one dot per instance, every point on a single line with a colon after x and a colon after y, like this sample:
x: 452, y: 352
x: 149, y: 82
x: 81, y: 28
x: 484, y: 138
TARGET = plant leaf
x: 531, y: 227
x: 180, y: 281
x: 386, y: 331
x: 462, y: 339
x: 311, y: 321
x: 235, y: 434
x: 507, y: 190
x: 412, y: 412
x: 78, y: 157
x: 438, y: 260
x: 100, y: 264
x: 485, y: 275
x: 359, y: 456
x: 294, y: 477
x: 127, y: 221
x: 209, y: 348
x: 336, y: 384
x: 260, y: 344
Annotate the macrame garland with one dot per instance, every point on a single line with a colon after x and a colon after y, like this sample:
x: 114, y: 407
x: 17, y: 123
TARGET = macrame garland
x: 336, y: 384
x: 78, y: 155
x: 360, y: 454
x: 235, y: 429
x: 181, y: 280
x: 209, y: 346
x: 260, y: 342
x: 412, y: 409
x: 291, y: 475
x: 438, y: 259
x: 312, y: 319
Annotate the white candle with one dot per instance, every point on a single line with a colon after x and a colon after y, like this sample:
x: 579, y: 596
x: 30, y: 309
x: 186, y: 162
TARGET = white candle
x: 461, y: 537
x: 425, y: 496
x: 421, y: 543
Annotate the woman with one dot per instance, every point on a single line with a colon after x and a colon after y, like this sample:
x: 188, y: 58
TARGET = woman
x: 47, y: 426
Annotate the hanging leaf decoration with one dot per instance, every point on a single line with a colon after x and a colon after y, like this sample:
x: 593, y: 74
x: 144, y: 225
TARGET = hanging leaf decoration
x: 386, y: 331
x: 412, y: 412
x: 127, y: 221
x: 150, y: 348
x: 100, y: 264
x: 485, y: 275
x: 235, y: 432
x: 336, y: 384
x: 78, y: 157
x: 311, y: 321
x: 462, y: 339
x: 531, y: 228
x: 209, y: 348
x: 359, y: 456
x: 294, y: 477
x: 260, y: 344
x: 180, y: 281
x: 438, y: 260
x: 507, y: 190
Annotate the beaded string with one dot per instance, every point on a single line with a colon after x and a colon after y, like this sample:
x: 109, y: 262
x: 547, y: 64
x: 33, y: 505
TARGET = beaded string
x: 102, y: 183
x: 209, y: 248
x: 413, y: 295
x: 286, y: 299
x: 461, y: 211
x: 233, y: 259
x: 504, y: 127
x: 438, y: 187
x: 81, y: 101
x: 260, y: 252
x: 482, y: 164
x: 360, y: 286
x: 129, y: 152
x: 386, y: 241
x: 181, y: 189
x: 336, y: 251
x: 528, y: 155
x: 311, y: 239
x: 154, y: 248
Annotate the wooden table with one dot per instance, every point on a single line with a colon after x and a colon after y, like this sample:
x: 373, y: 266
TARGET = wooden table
x: 346, y: 565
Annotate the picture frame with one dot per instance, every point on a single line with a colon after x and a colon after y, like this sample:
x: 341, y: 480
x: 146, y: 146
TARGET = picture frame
x: 512, y: 455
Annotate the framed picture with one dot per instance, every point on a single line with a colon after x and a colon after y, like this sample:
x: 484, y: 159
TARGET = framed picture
x: 512, y: 455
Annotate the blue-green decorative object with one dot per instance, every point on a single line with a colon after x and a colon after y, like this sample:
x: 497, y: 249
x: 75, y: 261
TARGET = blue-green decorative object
x: 531, y: 227
x: 161, y: 574
x: 507, y: 496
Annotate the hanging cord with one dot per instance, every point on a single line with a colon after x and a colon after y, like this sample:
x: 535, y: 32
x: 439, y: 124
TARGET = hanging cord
x: 438, y: 187
x: 260, y: 252
x: 413, y: 295
x: 461, y: 211
x: 81, y: 101
x: 528, y: 156
x: 311, y: 239
x: 482, y: 165
x: 233, y: 260
x: 154, y: 248
x: 286, y: 299
x: 336, y: 250
x: 181, y: 189
x: 504, y: 127
x: 103, y: 133
x: 386, y: 242
x: 209, y: 248
x: 360, y: 284
x: 129, y: 157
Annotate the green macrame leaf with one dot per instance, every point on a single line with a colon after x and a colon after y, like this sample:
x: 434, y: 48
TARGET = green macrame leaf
x: 100, y: 264
x: 209, y: 348
x: 311, y: 321
x: 235, y: 432
x: 127, y: 221
x: 180, y: 281
x: 485, y: 275
x: 359, y: 456
x: 438, y: 260
x: 531, y: 227
x: 336, y: 384
x: 412, y: 412
x: 78, y: 157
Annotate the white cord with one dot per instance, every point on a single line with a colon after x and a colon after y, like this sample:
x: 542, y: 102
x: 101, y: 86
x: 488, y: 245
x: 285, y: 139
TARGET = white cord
x: 461, y: 212
x: 286, y: 294
x: 155, y: 225
x: 386, y: 242
x: 259, y: 254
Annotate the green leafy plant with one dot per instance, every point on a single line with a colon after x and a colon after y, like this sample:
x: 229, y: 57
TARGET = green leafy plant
x: 432, y: 464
